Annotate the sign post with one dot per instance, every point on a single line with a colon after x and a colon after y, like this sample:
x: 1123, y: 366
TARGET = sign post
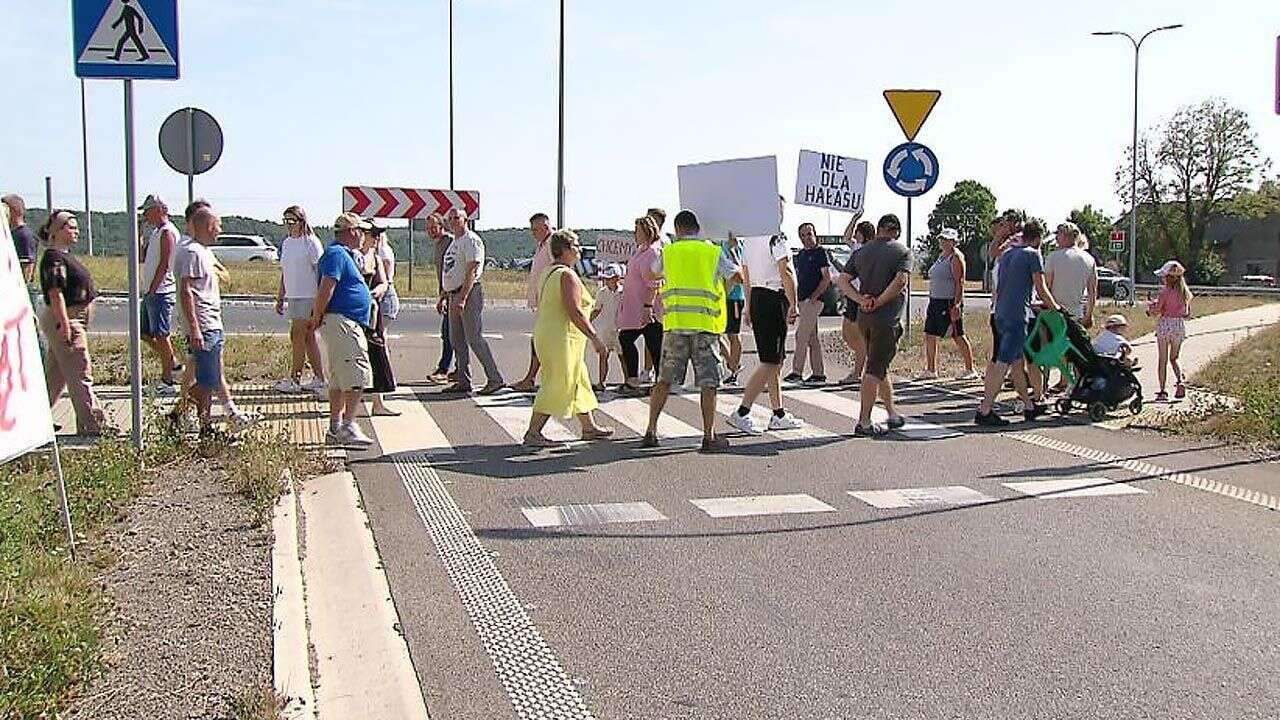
x: 138, y: 39
x: 911, y: 169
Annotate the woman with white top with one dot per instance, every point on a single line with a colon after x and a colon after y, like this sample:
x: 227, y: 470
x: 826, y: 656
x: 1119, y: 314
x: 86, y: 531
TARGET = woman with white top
x: 300, y: 252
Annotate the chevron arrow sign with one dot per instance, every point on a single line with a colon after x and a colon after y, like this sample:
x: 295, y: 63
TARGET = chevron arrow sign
x: 407, y: 203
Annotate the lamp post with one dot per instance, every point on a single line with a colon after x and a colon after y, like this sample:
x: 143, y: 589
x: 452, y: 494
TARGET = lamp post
x: 560, y: 149
x: 1133, y: 175
x: 450, y: 97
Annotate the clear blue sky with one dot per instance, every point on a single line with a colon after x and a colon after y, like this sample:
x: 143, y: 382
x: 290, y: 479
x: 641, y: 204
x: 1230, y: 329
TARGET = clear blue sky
x: 315, y: 94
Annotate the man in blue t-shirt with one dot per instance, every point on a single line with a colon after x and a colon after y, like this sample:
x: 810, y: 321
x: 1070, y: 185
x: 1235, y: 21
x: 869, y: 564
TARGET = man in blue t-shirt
x: 1021, y: 271
x: 341, y: 312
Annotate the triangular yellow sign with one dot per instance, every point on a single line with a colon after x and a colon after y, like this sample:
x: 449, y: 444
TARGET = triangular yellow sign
x: 912, y: 108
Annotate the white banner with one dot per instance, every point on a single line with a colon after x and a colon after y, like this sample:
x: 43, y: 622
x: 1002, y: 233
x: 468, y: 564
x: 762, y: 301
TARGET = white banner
x: 614, y: 248
x: 831, y: 181
x: 733, y: 196
x: 25, y: 420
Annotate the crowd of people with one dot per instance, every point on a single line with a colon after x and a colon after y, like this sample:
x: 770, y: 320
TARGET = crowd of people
x: 688, y: 297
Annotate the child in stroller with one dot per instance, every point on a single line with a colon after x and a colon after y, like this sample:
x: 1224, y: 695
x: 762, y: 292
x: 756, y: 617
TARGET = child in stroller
x: 1100, y: 383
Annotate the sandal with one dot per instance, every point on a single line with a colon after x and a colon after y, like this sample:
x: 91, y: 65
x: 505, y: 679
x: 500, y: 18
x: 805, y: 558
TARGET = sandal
x: 597, y: 433
x: 386, y: 412
x: 540, y: 441
x: 1162, y: 396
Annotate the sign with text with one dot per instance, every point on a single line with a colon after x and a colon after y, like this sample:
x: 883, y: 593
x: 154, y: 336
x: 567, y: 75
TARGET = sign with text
x: 733, y: 196
x: 25, y: 420
x: 831, y: 181
x: 614, y: 248
x: 1117, y: 240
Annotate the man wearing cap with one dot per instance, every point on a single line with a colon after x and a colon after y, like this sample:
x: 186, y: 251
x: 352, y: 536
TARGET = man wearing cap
x: 460, y: 282
x: 341, y: 313
x: 156, y: 246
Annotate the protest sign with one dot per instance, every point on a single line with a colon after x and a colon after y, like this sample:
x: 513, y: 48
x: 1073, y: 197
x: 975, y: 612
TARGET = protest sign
x: 831, y: 181
x: 733, y: 196
x: 614, y: 248
x: 25, y: 420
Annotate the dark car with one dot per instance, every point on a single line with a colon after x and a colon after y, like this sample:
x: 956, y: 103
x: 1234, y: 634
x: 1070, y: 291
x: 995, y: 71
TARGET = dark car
x: 1113, y: 285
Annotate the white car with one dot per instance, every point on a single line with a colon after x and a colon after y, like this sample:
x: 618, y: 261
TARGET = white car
x: 245, y: 248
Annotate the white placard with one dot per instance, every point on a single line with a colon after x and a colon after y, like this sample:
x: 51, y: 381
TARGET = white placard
x: 732, y: 196
x: 25, y: 420
x: 831, y: 181
x: 614, y: 248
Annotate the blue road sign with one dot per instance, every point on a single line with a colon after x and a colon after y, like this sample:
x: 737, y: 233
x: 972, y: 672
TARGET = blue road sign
x: 125, y: 39
x: 911, y: 169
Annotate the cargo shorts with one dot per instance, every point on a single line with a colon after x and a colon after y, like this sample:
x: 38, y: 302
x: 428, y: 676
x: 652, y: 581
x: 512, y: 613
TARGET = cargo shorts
x: 680, y: 349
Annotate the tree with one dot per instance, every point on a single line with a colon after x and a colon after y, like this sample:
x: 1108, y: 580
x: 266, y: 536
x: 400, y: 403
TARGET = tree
x: 1261, y: 203
x: 969, y: 208
x: 1096, y: 225
x: 1189, y: 169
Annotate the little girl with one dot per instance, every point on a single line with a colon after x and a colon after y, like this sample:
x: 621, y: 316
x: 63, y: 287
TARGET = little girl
x: 1173, y: 307
x: 605, y: 318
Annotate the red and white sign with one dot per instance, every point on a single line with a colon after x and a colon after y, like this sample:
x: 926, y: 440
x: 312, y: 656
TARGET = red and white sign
x: 408, y: 203
x: 1117, y: 236
x: 25, y: 420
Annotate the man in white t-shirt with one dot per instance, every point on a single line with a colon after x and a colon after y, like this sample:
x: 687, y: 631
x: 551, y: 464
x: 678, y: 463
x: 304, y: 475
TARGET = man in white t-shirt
x: 541, y: 230
x: 1072, y: 276
x: 462, y: 267
x: 156, y: 246
x: 771, y: 307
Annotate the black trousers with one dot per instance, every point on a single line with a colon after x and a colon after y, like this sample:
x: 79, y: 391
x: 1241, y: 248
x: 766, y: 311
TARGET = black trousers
x: 652, y: 344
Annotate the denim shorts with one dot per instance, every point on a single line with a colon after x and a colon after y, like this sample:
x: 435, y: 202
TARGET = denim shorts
x: 208, y: 361
x: 157, y: 315
x: 1013, y: 339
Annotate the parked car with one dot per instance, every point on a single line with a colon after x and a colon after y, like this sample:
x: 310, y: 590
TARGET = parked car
x: 244, y: 248
x: 586, y: 266
x: 1266, y: 281
x: 1114, y: 285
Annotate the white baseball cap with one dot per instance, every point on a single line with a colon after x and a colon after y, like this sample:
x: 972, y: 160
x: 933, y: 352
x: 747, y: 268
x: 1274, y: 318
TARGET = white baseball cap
x: 612, y: 270
x: 949, y: 234
x: 1173, y: 267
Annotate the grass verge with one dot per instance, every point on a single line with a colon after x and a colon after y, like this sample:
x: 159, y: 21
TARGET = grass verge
x: 52, y: 610
x: 246, y: 358
x: 258, y: 278
x: 1249, y: 372
x: 256, y: 703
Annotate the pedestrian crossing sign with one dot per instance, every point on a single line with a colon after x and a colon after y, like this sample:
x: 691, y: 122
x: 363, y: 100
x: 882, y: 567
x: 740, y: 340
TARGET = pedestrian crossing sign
x: 126, y: 39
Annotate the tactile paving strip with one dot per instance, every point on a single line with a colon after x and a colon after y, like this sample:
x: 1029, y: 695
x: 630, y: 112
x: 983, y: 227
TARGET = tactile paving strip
x: 1146, y: 469
x: 535, y: 681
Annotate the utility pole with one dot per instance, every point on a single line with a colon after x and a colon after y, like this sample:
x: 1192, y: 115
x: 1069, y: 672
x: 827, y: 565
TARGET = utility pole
x: 560, y: 151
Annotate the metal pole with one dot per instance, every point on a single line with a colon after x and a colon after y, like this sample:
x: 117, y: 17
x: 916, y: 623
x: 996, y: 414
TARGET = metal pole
x: 450, y: 101
x: 48, y: 194
x: 131, y: 202
x: 62, y: 498
x: 411, y: 255
x: 84, y: 147
x: 560, y: 150
x: 1133, y: 187
x: 191, y: 156
x: 911, y: 270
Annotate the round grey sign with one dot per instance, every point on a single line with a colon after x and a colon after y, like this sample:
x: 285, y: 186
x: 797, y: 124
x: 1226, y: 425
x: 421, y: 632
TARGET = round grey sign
x: 191, y: 141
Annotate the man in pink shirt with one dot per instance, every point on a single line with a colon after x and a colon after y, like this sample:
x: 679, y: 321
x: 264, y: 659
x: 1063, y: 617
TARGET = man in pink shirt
x: 540, y: 228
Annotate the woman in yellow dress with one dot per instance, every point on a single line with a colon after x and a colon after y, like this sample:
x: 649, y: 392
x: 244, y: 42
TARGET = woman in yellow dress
x: 560, y: 337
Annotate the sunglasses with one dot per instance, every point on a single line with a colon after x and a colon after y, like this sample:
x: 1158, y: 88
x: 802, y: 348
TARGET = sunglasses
x: 290, y: 220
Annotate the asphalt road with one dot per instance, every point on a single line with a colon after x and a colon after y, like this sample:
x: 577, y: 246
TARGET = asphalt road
x: 260, y: 317
x: 521, y: 595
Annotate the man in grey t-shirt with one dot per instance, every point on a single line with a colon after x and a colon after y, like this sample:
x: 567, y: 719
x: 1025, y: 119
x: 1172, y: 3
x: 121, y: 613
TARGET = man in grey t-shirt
x: 1072, y: 275
x: 461, y: 269
x: 882, y: 267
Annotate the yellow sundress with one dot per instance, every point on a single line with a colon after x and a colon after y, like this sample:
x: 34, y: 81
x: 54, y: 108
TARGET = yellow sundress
x: 561, y: 346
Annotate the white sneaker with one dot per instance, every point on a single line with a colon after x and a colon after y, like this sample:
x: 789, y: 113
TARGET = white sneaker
x: 646, y: 377
x: 356, y: 436
x: 851, y: 379
x: 786, y: 421
x: 926, y: 375
x: 164, y: 389
x: 745, y: 423
x: 971, y: 375
x: 288, y: 385
x: 241, y: 421
x: 316, y: 385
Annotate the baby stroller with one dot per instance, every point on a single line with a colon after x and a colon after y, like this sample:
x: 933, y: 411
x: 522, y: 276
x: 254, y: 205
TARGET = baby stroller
x: 1098, y: 383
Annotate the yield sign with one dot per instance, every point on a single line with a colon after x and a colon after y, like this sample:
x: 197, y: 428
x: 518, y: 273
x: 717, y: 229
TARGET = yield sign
x: 912, y: 108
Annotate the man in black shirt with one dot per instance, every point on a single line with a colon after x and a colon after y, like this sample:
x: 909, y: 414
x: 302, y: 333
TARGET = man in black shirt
x: 24, y: 241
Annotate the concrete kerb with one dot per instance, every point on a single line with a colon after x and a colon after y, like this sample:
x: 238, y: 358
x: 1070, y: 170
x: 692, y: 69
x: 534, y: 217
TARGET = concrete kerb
x: 115, y: 297
x: 290, y: 651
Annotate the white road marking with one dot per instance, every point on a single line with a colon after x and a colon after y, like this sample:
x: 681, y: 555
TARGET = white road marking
x: 591, y: 514
x: 761, y: 505
x: 727, y: 405
x: 1074, y: 488
x: 512, y: 413
x: 633, y: 414
x: 850, y: 407
x: 414, y: 431
x: 920, y: 497
x: 1147, y: 470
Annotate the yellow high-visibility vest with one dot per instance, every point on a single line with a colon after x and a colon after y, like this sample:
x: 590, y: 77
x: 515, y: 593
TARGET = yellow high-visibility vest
x: 692, y: 295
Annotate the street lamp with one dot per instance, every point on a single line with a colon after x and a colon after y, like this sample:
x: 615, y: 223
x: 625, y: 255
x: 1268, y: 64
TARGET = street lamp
x: 1133, y: 177
x: 560, y: 150
x: 450, y: 100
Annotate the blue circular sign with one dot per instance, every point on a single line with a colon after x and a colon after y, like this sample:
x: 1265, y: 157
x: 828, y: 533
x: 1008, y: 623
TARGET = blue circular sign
x: 911, y: 169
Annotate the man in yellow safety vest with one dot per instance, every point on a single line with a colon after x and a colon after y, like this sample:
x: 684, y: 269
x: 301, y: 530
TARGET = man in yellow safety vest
x: 693, y: 271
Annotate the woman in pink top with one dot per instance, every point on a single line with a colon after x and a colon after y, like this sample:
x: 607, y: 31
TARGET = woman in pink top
x: 640, y: 311
x: 1173, y: 307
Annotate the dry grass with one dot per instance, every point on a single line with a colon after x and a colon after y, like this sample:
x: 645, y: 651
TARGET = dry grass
x: 258, y: 278
x: 256, y: 703
x: 1249, y: 372
x: 246, y: 358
